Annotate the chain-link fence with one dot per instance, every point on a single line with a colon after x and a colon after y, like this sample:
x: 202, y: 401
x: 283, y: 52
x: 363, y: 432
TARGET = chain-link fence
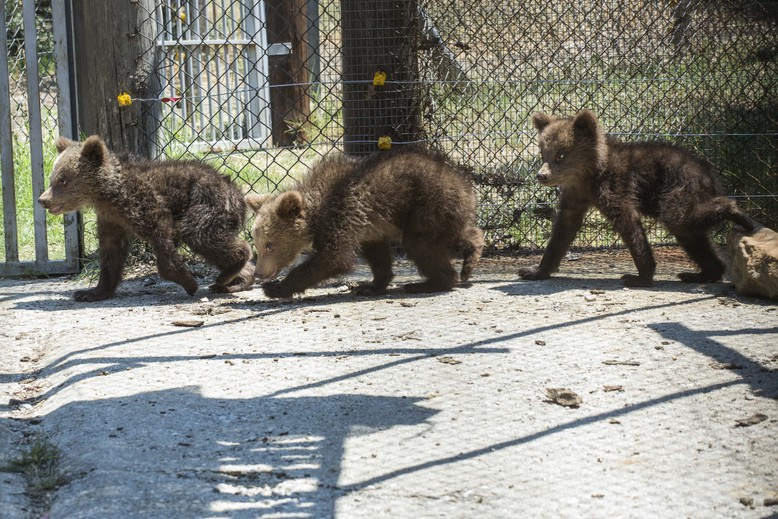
x: 263, y: 88
x: 464, y: 77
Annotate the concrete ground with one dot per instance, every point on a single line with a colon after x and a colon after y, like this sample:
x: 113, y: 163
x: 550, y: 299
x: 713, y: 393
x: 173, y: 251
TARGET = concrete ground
x: 337, y: 406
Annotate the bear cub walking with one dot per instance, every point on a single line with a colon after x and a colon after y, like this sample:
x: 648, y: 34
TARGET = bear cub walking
x: 164, y: 203
x: 624, y: 181
x: 348, y: 206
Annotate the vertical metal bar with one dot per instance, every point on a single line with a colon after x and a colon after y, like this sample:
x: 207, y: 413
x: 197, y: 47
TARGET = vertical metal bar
x: 36, y: 137
x: 220, y: 118
x: 191, y: 86
x: 250, y: 62
x: 167, y: 79
x: 208, y: 60
x: 177, y: 15
x: 229, y: 129
x: 200, y: 70
x: 188, y: 32
x: 264, y: 116
x: 229, y: 83
x: 67, y: 126
x: 207, y: 95
x: 181, y: 74
x: 197, y: 53
x: 6, y: 150
x: 238, y: 67
x: 197, y: 87
x: 153, y: 119
x: 223, y: 19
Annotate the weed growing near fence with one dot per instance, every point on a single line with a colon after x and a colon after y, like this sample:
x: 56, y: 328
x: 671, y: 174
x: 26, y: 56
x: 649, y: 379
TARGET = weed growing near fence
x: 40, y: 465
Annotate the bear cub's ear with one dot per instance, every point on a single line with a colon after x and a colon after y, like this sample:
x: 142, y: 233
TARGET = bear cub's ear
x: 64, y: 143
x: 541, y: 120
x: 290, y: 205
x: 255, y: 201
x: 586, y: 121
x: 94, y: 150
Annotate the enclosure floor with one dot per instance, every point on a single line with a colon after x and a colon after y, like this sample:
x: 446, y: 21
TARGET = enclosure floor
x: 333, y: 405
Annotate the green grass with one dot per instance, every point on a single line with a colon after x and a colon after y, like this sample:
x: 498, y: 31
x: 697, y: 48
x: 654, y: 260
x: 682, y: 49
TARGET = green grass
x: 25, y: 201
x: 40, y: 464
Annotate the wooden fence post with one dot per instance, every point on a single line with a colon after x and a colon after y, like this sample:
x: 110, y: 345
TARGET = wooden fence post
x: 378, y: 36
x: 290, y: 104
x: 113, y: 55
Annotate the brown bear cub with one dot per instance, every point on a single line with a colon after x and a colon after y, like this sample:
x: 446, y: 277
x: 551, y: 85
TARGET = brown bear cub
x: 164, y: 203
x: 624, y: 181
x: 348, y: 206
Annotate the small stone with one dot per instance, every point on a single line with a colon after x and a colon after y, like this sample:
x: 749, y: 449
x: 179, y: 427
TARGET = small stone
x: 751, y: 420
x: 188, y: 323
x: 621, y: 363
x: 563, y: 396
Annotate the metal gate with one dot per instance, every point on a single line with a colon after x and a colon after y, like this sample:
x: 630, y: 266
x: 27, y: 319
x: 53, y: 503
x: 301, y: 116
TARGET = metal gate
x: 34, y: 92
x: 213, y: 70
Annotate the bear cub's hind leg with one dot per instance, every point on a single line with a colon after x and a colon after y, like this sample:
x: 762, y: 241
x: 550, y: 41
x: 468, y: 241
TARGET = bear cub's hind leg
x: 433, y: 261
x: 237, y: 271
x: 379, y: 257
x: 700, y: 250
x: 470, y: 245
x: 171, y: 266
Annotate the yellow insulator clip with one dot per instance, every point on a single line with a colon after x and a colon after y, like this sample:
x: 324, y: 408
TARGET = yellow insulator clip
x: 385, y: 143
x: 124, y: 99
x: 379, y: 78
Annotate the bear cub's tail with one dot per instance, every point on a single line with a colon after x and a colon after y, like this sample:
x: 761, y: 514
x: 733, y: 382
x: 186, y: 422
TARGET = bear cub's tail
x: 470, y: 245
x: 722, y: 208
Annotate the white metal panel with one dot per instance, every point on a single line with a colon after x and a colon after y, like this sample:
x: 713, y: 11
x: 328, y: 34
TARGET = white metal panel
x: 213, y: 60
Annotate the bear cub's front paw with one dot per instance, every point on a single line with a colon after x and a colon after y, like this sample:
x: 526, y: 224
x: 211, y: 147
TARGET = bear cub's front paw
x: 698, y: 277
x: 368, y: 289
x: 631, y: 280
x: 276, y: 289
x: 92, y: 295
x: 532, y: 274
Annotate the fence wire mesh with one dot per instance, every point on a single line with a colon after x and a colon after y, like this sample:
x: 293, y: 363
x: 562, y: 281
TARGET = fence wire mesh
x: 263, y: 88
x: 464, y: 77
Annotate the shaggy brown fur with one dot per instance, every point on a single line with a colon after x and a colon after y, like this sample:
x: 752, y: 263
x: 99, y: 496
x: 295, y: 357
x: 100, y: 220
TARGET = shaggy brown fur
x: 625, y: 181
x: 165, y: 203
x: 348, y: 206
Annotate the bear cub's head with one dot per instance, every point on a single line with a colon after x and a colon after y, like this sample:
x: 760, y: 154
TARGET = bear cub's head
x: 73, y: 177
x: 280, y: 230
x: 571, y: 148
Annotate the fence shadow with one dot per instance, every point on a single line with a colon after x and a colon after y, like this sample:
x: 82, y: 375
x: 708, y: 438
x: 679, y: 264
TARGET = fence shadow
x: 177, y: 453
